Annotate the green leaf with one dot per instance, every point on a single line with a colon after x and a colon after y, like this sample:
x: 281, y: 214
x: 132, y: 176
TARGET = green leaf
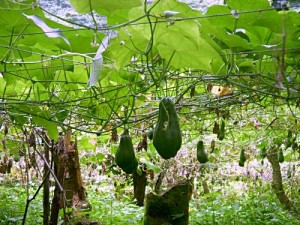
x: 85, y: 143
x: 18, y: 120
x: 100, y: 157
x: 83, y: 41
x: 9, y: 10
x: 21, y: 113
x: 130, y: 76
x: 273, y: 21
x: 112, y: 8
x: 2, y: 84
x: 263, y: 144
x: 61, y: 114
x: 227, y: 21
x: 44, y: 119
x: 184, y: 52
x: 265, y: 18
x: 150, y: 165
x: 128, y: 42
x: 85, y: 6
x: 224, y: 36
x: 247, y: 5
x: 258, y: 35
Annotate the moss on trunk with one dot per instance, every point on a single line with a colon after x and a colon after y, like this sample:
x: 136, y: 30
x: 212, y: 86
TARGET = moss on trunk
x: 172, y: 207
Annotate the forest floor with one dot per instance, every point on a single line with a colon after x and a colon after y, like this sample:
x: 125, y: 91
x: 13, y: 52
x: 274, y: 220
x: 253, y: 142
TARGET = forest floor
x: 236, y: 195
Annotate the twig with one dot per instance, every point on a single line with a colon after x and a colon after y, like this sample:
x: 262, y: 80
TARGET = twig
x: 33, y: 197
x: 272, y: 122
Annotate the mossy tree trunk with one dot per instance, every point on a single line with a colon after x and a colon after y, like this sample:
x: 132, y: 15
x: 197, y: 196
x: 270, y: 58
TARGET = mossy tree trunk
x: 172, y: 207
x: 277, y: 180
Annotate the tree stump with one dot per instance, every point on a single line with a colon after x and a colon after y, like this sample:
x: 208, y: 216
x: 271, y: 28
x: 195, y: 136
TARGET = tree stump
x: 172, y: 207
x: 67, y: 171
x: 140, y: 183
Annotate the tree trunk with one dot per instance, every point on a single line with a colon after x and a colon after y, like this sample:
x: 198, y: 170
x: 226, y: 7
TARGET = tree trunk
x: 59, y: 170
x: 46, y: 194
x: 140, y: 182
x: 73, y: 184
x: 277, y: 181
x: 67, y: 170
x: 172, y: 207
x: 205, y: 187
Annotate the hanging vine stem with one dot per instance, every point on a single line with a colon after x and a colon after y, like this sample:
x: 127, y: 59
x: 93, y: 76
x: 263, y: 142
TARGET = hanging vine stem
x: 150, y: 43
x: 128, y: 115
x: 280, y: 75
x: 93, y: 17
x: 165, y: 70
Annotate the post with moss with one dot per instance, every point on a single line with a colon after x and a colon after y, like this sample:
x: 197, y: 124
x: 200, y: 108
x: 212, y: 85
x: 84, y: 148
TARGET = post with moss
x: 172, y: 207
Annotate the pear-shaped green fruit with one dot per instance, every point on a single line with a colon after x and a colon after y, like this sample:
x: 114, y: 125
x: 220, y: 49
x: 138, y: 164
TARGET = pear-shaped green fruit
x: 290, y: 139
x: 241, y: 164
x: 242, y: 158
x: 167, y: 134
x: 150, y: 134
x: 221, y: 134
x: 280, y: 156
x: 125, y: 157
x: 201, y: 154
x: 263, y: 153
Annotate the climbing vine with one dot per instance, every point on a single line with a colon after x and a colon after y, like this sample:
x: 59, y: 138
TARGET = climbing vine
x: 160, y: 49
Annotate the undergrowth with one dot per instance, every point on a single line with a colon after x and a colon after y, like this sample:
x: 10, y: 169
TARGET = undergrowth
x: 257, y: 205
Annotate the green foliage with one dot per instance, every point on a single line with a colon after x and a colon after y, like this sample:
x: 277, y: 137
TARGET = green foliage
x: 255, y: 206
x: 167, y: 134
x: 12, y: 206
x: 47, y: 65
x: 237, y: 208
x: 116, y: 12
x: 160, y: 49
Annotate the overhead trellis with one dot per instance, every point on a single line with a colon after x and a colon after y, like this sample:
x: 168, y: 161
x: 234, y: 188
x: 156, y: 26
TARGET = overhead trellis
x: 55, y: 76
